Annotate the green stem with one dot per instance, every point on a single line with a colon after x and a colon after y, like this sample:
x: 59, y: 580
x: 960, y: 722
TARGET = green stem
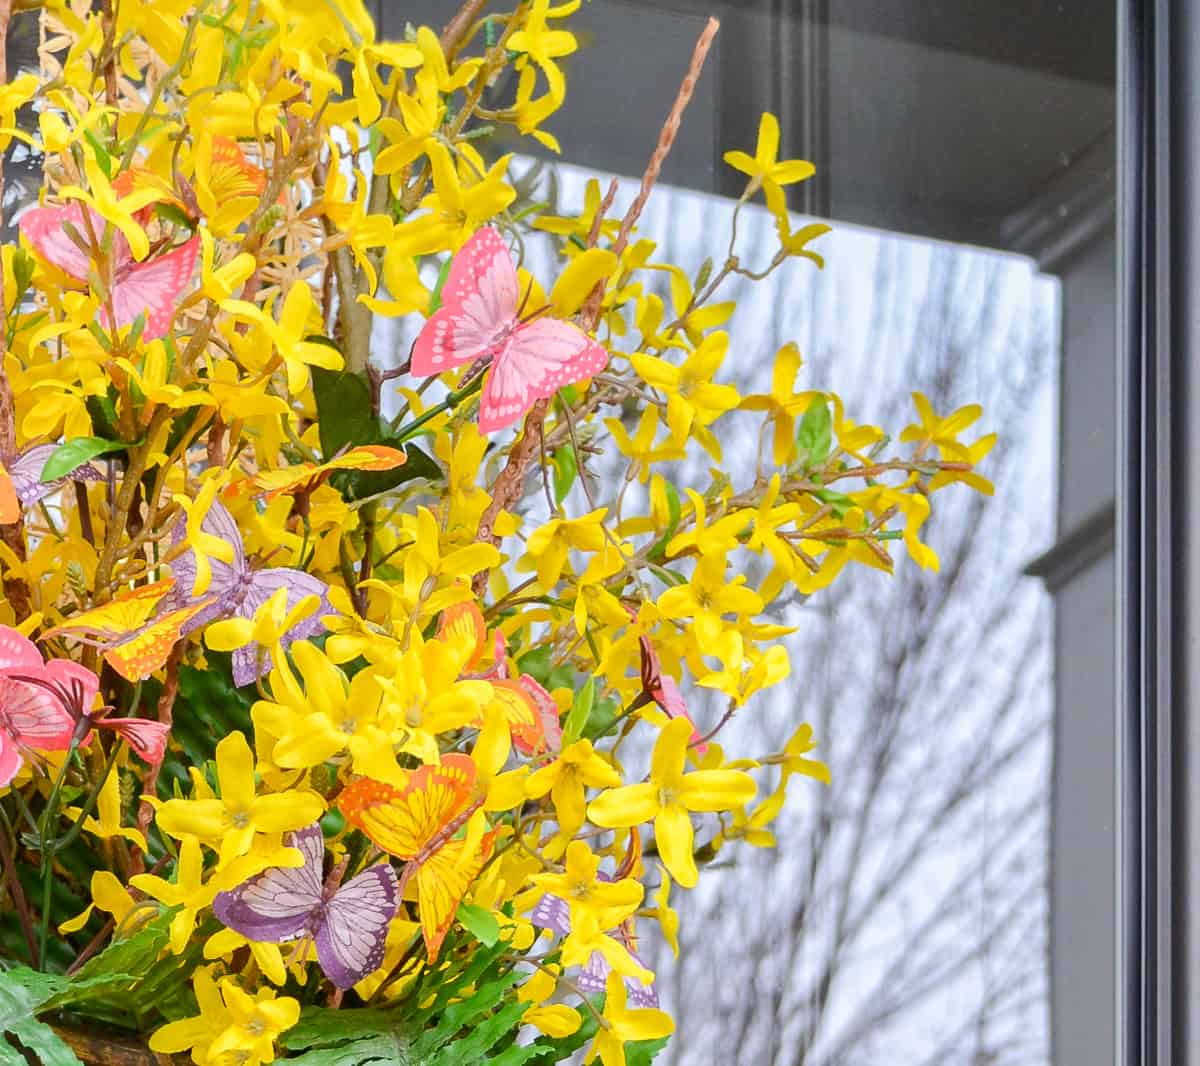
x: 450, y: 402
x: 92, y: 800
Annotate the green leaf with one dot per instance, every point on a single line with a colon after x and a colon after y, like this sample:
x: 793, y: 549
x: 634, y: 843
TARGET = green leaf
x: 103, y: 411
x: 674, y: 512
x: 644, y: 1052
x: 349, y: 1038
x: 482, y: 1037
x: 581, y: 709
x: 539, y: 664
x: 480, y: 923
x: 345, y: 420
x: 119, y: 967
x: 23, y: 992
x: 814, y: 438
x: 23, y: 268
x: 604, y: 716
x: 69, y: 457
x: 566, y: 469
x: 102, y: 157
x: 839, y: 501
x: 435, y: 299
x: 343, y: 409
x: 174, y: 214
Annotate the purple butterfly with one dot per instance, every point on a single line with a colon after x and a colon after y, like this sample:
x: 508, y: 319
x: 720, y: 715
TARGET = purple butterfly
x: 348, y: 924
x: 553, y: 913
x: 241, y: 591
x: 25, y: 470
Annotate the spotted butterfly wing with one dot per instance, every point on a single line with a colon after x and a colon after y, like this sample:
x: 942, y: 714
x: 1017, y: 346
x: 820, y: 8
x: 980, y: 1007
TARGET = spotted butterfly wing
x: 17, y: 652
x: 227, y: 582
x: 10, y: 502
x: 479, y: 304
x: 136, y: 657
x: 541, y: 357
x: 45, y: 229
x: 442, y: 881
x: 524, y: 721
x: 26, y: 473
x: 135, y: 642
x: 417, y: 823
x: 231, y: 175
x: 153, y: 289
x: 548, y: 713
x: 260, y: 586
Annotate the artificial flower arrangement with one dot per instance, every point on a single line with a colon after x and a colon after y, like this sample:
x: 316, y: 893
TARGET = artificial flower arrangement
x: 315, y: 674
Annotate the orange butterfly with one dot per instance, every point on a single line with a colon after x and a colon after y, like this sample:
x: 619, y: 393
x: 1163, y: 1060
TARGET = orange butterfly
x: 231, y: 174
x: 135, y: 642
x: 417, y: 823
x: 304, y: 477
x: 465, y: 621
x: 10, y: 505
x: 522, y: 716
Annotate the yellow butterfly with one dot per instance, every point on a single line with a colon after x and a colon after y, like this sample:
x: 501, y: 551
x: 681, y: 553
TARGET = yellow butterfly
x: 136, y: 642
x: 418, y: 823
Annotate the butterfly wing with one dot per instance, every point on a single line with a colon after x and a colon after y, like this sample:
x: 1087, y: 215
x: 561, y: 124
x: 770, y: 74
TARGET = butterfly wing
x: 227, y: 578
x: 464, y: 622
x: 553, y: 913
x: 442, y: 881
x: 18, y: 652
x: 128, y: 612
x: 231, y: 175
x: 43, y: 228
x: 548, y: 713
x: 153, y: 288
x: 34, y: 716
x: 352, y: 933
x: 26, y: 474
x: 479, y: 302
x: 524, y: 722
x: 148, y: 739
x: 10, y: 758
x: 263, y: 584
x: 543, y: 356
x: 137, y: 657
x: 278, y: 905
x: 10, y: 501
x: 405, y: 822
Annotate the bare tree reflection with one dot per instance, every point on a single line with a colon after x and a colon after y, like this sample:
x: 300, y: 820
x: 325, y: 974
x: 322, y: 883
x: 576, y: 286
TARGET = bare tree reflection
x: 902, y: 918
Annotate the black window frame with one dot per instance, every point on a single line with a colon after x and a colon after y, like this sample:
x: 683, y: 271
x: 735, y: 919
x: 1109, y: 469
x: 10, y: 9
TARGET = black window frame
x: 1158, y: 546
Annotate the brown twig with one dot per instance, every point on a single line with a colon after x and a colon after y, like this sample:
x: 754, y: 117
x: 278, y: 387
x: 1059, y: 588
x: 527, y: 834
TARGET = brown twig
x: 454, y: 35
x: 18, y: 896
x: 507, y: 487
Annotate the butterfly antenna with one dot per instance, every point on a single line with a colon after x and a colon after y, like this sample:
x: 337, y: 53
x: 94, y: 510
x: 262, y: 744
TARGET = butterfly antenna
x: 533, y: 314
x: 525, y: 298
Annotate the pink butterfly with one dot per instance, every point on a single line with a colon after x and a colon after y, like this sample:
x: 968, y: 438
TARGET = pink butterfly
x: 480, y: 319
x: 61, y: 694
x: 151, y: 288
x: 30, y: 717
